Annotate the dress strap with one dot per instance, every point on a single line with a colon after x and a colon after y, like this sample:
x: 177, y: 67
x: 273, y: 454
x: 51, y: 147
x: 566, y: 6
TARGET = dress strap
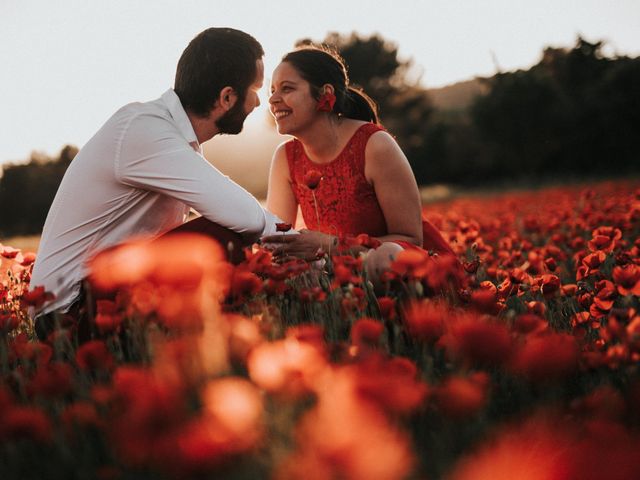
x: 370, y: 128
x: 359, y: 141
x: 292, y: 151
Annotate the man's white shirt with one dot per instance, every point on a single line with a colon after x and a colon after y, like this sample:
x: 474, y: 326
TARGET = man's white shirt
x: 138, y: 176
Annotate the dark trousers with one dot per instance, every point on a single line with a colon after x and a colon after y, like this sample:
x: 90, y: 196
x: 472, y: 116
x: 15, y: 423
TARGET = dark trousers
x: 77, y: 318
x: 82, y: 311
x: 231, y: 241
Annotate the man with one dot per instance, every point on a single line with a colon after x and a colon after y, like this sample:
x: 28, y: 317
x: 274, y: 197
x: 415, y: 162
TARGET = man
x: 140, y: 174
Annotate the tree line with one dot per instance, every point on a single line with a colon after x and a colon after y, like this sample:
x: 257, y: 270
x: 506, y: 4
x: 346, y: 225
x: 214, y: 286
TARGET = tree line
x: 27, y: 190
x: 574, y: 114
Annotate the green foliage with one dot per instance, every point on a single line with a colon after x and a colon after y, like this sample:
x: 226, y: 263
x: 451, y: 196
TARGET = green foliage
x: 573, y: 114
x: 30, y: 189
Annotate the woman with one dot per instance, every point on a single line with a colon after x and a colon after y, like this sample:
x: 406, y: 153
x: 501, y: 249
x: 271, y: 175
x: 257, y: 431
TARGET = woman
x: 347, y: 174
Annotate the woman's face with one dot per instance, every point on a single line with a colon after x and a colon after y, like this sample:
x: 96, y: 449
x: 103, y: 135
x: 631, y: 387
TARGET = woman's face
x: 291, y: 102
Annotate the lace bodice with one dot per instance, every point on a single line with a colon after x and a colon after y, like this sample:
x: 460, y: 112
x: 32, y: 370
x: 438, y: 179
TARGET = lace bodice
x: 346, y: 201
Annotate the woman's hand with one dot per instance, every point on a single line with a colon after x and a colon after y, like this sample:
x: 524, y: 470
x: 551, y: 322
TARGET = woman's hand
x: 307, y: 245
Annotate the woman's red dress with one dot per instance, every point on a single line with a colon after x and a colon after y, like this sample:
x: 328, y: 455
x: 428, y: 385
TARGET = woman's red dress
x: 344, y: 202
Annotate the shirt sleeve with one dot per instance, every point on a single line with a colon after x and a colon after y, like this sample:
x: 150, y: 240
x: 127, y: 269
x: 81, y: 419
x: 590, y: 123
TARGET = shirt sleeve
x: 154, y: 156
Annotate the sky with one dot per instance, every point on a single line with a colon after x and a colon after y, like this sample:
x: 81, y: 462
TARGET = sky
x: 67, y: 65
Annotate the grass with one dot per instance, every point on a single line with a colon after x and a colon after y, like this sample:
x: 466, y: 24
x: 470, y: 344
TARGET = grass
x: 26, y: 243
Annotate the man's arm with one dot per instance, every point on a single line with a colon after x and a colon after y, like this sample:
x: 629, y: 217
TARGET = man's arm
x: 153, y: 157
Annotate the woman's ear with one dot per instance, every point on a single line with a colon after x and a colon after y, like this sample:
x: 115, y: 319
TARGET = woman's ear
x: 327, y: 88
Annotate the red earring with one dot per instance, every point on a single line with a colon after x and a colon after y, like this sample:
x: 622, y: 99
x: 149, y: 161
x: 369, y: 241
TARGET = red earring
x: 326, y: 102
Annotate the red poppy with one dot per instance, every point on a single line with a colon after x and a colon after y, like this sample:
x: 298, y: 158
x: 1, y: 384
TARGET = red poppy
x: 550, y: 285
x: 569, y: 289
x: 366, y: 332
x: 312, y: 179
x: 353, y: 301
x: 244, y: 283
x: 387, y: 307
x: 471, y: 267
x: 617, y: 355
x: 313, y: 294
x: 425, y: 319
x: 311, y: 334
x: 604, y: 239
x: 37, y: 297
x: 6, y: 399
x: 479, y: 341
x: 344, y: 275
x: 551, y: 264
x: 594, y: 260
x: 27, y: 259
x: 9, y: 321
x: 506, y: 288
x: 459, y: 397
x: 530, y: 323
x: 536, y: 450
x: 546, y: 357
x: 283, y: 227
x: 8, y: 252
x: 94, y: 355
x: 410, y: 263
x: 538, y: 308
x: 627, y: 279
x: 25, y: 423
x: 234, y: 407
x: 107, y: 318
x: 52, y: 380
x: 343, y: 432
x: 633, y: 333
x: 258, y: 260
x: 518, y: 275
x: 580, y: 318
x: 367, y: 241
x: 485, y: 299
x: 179, y: 260
x: 288, y: 366
x: 390, y: 383
x: 325, y: 102
x: 603, y: 402
x: 80, y: 415
x: 199, y: 447
x: 25, y: 350
x: 243, y: 336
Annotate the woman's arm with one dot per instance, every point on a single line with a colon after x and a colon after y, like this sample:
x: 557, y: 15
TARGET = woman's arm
x: 280, y: 198
x: 282, y: 202
x: 388, y: 170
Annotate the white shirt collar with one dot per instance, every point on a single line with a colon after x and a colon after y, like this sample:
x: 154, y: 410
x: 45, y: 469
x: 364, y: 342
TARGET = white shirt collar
x: 172, y: 101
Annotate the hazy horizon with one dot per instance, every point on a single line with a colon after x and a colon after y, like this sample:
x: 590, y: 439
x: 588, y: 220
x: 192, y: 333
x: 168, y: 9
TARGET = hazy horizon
x: 69, y: 65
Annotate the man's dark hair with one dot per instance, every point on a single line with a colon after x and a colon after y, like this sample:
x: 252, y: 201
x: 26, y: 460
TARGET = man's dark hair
x: 214, y: 59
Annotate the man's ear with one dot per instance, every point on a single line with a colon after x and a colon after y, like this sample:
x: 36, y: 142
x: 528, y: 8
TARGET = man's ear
x: 227, y: 98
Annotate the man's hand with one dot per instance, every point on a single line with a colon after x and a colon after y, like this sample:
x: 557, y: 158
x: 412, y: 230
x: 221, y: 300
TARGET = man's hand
x: 307, y: 245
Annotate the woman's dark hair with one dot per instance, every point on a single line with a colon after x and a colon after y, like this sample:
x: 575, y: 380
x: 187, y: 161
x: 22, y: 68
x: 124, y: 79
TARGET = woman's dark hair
x: 214, y: 59
x: 319, y: 66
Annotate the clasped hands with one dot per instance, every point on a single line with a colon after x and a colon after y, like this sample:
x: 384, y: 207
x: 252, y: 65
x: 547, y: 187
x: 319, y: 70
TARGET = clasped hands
x: 308, y: 245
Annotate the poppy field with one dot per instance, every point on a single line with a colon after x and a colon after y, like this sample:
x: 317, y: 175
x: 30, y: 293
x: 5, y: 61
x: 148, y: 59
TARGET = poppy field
x: 516, y: 359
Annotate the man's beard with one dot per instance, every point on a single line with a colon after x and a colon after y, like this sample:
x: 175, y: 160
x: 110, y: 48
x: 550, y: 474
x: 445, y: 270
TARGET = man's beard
x: 233, y: 120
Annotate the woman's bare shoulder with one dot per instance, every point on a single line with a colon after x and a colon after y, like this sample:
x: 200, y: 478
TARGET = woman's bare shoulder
x: 382, y: 144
